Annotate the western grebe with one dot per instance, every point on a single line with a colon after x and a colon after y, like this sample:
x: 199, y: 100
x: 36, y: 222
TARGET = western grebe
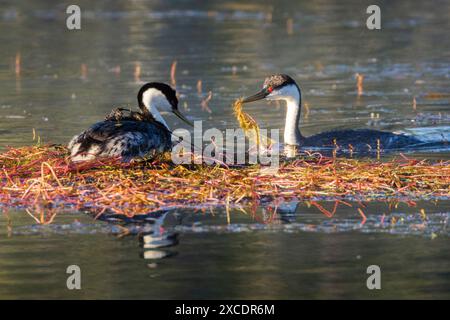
x: 283, y: 87
x: 139, y: 134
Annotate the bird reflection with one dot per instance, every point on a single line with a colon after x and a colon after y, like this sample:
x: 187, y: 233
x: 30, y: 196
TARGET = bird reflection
x: 151, y: 230
x: 158, y: 237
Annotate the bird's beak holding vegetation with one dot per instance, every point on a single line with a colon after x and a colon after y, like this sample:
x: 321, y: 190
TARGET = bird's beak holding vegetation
x: 179, y: 115
x: 259, y: 96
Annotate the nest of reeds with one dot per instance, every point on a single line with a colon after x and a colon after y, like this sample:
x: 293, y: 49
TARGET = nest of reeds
x: 44, y: 175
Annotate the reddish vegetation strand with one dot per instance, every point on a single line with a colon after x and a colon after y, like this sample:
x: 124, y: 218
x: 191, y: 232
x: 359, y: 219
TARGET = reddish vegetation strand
x: 43, y: 175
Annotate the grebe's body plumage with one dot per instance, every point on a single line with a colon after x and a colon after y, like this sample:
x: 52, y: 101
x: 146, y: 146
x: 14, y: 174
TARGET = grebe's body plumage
x: 124, y: 138
x: 359, y: 139
x: 283, y: 87
x: 139, y: 134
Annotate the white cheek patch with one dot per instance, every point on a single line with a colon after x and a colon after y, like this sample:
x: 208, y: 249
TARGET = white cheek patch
x: 284, y: 93
x: 154, y: 97
x: 156, y: 102
x: 274, y: 95
x: 289, y: 91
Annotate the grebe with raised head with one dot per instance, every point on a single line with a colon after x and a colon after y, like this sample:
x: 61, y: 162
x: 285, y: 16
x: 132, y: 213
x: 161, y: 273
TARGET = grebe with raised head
x: 139, y: 134
x: 283, y: 87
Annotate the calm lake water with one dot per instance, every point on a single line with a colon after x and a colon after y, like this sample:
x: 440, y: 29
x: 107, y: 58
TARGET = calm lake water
x: 59, y: 82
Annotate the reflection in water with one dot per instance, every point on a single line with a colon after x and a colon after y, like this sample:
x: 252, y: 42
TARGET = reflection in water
x: 288, y: 250
x: 151, y: 229
x: 158, y: 233
x: 158, y: 238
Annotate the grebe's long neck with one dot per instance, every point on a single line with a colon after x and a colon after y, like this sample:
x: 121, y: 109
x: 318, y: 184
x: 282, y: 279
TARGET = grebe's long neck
x: 158, y: 117
x: 292, y: 135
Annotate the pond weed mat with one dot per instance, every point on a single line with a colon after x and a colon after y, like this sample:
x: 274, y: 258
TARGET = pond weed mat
x: 43, y: 175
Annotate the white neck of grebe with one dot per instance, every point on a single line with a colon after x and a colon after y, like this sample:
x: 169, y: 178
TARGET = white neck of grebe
x: 292, y: 135
x: 154, y: 100
x: 158, y: 117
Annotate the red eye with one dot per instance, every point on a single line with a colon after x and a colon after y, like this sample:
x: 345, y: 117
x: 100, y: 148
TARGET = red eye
x: 269, y: 89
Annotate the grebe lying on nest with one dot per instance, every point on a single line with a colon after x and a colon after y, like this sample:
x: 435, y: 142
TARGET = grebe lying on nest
x: 283, y: 87
x: 134, y: 135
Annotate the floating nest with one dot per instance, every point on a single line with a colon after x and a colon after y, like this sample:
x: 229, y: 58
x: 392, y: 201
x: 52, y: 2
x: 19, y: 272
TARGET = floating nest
x: 43, y: 175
